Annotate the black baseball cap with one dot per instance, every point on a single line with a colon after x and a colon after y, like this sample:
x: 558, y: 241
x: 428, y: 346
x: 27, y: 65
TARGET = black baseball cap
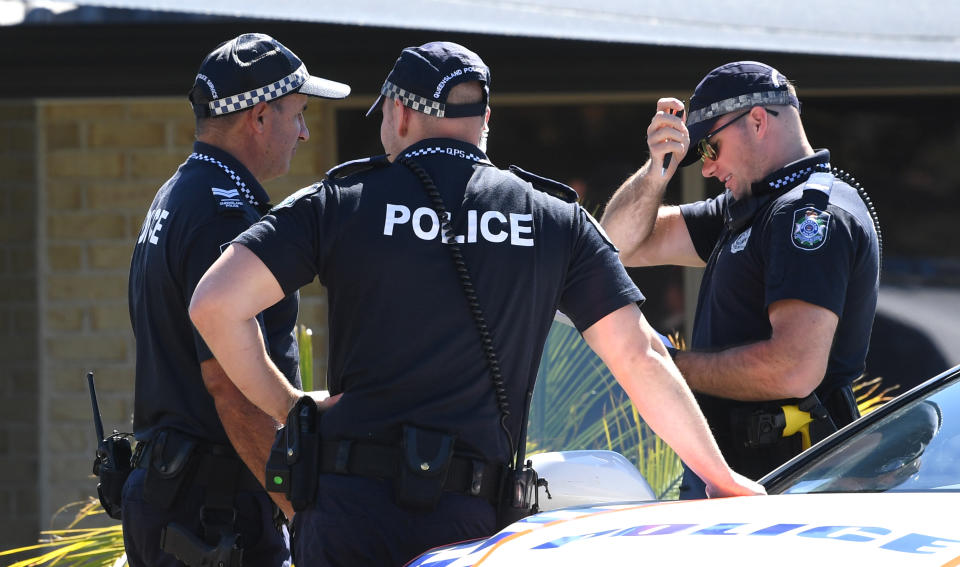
x: 730, y: 87
x: 252, y: 68
x: 423, y: 76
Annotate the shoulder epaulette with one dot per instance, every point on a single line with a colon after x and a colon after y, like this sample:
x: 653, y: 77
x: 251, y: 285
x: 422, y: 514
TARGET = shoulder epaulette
x: 549, y: 186
x: 357, y: 166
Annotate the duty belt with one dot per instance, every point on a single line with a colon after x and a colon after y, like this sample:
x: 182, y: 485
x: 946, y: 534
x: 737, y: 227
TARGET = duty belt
x: 473, y: 477
x: 212, y: 460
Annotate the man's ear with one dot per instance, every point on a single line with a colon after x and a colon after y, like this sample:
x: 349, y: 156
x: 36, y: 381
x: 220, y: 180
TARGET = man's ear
x: 257, y: 116
x: 759, y: 120
x: 404, y: 116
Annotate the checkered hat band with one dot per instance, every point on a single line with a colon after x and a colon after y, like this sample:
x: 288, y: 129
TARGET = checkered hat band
x: 736, y: 103
x: 414, y: 101
x: 245, y: 100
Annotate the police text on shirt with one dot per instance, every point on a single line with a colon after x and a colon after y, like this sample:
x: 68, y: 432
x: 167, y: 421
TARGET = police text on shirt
x: 491, y: 226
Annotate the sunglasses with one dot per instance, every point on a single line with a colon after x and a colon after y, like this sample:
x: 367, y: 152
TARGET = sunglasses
x: 708, y: 150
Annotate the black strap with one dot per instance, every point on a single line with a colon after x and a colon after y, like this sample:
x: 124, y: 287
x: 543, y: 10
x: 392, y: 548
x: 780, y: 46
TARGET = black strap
x: 214, y: 461
x: 467, y: 476
x: 486, y: 338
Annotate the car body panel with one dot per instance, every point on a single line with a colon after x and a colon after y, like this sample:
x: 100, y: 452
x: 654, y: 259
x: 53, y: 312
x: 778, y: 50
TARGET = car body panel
x: 791, y: 530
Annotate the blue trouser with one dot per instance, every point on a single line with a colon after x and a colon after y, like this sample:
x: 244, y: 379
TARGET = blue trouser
x: 263, y: 545
x: 356, y: 522
x: 691, y: 487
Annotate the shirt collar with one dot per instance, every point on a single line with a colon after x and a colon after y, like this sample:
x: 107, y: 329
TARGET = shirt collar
x: 739, y: 212
x: 238, y: 173
x: 446, y: 147
x: 793, y: 174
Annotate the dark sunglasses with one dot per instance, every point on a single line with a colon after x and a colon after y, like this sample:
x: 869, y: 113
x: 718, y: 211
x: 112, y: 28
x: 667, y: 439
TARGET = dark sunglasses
x: 710, y: 151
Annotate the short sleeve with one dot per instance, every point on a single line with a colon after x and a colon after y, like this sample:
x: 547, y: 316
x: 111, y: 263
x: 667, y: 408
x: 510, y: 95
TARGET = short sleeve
x: 597, y: 283
x: 704, y: 221
x: 290, y: 240
x: 809, y: 256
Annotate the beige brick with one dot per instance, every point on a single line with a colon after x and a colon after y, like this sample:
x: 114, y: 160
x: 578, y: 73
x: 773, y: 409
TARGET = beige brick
x: 18, y: 138
x: 65, y: 257
x: 63, y: 136
x: 15, y: 168
x: 65, y: 468
x: 65, y: 318
x: 110, y: 317
x: 68, y: 378
x: 86, y: 225
x: 124, y: 134
x: 134, y: 224
x: 110, y: 255
x: 89, y: 287
x: 66, y: 438
x: 182, y: 133
x: 70, y: 163
x: 87, y: 348
x: 18, y: 289
x: 66, y: 195
x: 160, y: 109
x: 77, y: 408
x: 113, y: 378
x: 304, y: 164
x: 82, y: 111
x: 127, y: 195
x: 154, y: 163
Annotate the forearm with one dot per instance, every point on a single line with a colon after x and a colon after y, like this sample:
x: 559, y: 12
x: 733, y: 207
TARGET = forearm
x: 631, y: 214
x: 238, y: 345
x: 658, y: 391
x: 643, y: 368
x: 753, y: 372
x: 250, y: 430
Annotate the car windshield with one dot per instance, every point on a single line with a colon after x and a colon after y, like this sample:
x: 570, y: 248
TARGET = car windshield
x: 913, y: 449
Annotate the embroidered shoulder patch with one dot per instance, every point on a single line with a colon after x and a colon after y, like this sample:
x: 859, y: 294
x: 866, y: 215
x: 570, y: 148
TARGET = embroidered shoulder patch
x: 741, y: 242
x: 810, y: 228
x: 228, y: 200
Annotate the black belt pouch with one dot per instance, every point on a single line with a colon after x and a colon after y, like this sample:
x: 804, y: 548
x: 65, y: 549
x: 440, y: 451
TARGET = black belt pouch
x: 425, y: 461
x: 172, y: 462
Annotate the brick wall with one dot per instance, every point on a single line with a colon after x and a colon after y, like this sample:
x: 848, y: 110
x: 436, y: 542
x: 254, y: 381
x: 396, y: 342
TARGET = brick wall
x: 18, y: 325
x: 100, y: 163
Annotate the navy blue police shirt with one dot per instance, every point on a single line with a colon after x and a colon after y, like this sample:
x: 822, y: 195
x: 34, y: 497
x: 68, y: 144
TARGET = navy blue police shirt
x: 209, y: 200
x: 788, y: 240
x: 403, y: 345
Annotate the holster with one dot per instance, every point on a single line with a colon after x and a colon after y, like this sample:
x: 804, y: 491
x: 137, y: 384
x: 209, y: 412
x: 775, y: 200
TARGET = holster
x: 294, y: 461
x: 426, y: 456
x: 169, y: 467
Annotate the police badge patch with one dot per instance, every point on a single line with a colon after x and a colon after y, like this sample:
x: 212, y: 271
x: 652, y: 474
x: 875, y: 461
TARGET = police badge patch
x: 810, y: 228
x: 741, y: 242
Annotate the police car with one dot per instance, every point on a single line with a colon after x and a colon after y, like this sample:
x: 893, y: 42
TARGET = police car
x: 885, y: 490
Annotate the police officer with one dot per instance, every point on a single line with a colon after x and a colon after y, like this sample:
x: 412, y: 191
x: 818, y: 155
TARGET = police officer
x: 435, y: 332
x: 792, y: 263
x: 248, y: 97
